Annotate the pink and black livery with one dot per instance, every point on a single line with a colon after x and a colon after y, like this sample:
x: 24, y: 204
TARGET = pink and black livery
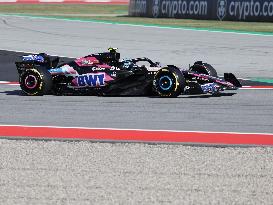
x: 105, y: 74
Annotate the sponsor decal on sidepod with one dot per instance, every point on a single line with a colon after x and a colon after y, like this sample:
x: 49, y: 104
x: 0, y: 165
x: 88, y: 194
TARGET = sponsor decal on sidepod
x: 91, y: 80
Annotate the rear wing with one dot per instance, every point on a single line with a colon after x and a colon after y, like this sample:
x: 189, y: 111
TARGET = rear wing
x: 33, y: 60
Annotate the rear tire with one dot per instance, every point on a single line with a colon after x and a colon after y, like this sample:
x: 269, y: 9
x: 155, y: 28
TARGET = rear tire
x: 169, y: 82
x: 36, y: 81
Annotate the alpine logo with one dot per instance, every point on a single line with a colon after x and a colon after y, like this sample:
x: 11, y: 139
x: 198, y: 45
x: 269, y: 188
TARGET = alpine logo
x: 156, y: 8
x: 221, y: 9
x: 91, y: 80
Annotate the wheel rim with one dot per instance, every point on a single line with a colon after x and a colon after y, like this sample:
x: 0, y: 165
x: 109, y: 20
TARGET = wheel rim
x: 165, y: 82
x: 31, y: 81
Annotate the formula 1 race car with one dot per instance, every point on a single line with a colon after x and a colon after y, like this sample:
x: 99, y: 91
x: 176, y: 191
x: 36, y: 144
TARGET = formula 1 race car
x: 104, y: 74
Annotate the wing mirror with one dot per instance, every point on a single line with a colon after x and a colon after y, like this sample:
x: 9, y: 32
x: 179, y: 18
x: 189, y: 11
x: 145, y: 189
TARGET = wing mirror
x: 158, y: 64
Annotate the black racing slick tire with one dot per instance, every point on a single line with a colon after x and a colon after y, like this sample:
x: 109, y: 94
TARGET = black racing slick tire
x: 168, y: 82
x: 205, y: 68
x: 36, y: 81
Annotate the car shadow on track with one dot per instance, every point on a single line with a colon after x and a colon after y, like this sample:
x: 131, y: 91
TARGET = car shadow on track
x: 200, y: 95
x: 20, y: 93
x: 208, y: 95
x: 13, y: 92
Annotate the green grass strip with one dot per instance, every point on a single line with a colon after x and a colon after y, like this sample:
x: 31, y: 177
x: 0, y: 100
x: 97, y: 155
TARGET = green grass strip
x: 263, y: 80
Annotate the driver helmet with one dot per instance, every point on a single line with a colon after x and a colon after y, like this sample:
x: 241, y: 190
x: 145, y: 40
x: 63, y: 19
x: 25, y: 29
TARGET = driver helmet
x: 114, y: 54
x: 112, y: 50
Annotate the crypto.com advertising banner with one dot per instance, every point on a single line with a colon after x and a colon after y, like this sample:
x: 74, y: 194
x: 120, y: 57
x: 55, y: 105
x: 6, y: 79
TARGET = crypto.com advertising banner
x: 239, y: 10
x: 171, y: 8
x: 245, y: 10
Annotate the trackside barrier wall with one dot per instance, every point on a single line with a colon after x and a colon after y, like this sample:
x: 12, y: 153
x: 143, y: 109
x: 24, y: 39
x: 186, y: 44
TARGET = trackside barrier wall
x: 235, y: 10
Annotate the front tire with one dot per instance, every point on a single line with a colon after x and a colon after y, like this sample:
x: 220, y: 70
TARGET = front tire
x: 36, y: 81
x: 169, y: 82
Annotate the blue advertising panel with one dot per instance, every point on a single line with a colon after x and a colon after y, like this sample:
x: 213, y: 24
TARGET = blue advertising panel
x: 238, y: 10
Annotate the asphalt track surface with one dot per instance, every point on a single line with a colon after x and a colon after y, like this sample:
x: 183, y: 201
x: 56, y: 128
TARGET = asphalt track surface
x: 239, y: 112
x: 244, y: 55
x: 59, y: 172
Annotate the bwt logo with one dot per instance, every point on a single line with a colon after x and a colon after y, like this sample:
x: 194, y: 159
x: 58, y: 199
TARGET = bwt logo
x: 156, y: 8
x: 91, y: 80
x: 221, y: 9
